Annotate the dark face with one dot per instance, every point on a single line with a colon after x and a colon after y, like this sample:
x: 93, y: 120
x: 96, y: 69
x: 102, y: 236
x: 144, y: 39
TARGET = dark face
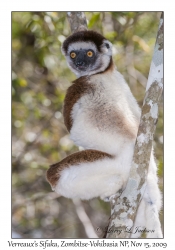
x: 82, y: 59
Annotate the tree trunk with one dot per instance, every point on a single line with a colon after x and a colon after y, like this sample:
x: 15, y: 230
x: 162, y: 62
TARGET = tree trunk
x: 124, y: 207
x: 77, y: 21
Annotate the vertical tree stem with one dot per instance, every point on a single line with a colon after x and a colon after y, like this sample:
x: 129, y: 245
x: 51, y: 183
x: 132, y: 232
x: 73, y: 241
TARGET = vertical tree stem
x: 77, y: 21
x: 124, y: 208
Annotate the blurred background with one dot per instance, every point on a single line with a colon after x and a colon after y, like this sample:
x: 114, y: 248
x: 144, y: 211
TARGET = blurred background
x: 40, y: 77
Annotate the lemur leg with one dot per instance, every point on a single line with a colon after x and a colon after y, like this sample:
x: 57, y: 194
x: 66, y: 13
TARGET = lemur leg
x: 85, y: 175
x: 113, y: 196
x: 152, y: 221
x: 153, y: 202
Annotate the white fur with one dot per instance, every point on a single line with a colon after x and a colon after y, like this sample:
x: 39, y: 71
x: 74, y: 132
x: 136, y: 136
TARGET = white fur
x: 81, y: 45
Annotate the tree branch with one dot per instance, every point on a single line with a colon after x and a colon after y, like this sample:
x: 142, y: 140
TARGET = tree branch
x: 77, y: 21
x: 124, y: 208
x: 84, y: 219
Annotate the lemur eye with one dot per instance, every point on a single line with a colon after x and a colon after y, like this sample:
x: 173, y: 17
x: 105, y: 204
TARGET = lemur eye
x: 72, y: 54
x: 89, y: 53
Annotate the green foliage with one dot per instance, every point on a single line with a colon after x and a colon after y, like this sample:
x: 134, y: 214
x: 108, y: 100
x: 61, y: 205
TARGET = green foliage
x: 40, y: 77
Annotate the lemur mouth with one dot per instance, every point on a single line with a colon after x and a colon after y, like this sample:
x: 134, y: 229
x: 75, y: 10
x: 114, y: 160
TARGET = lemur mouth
x: 81, y: 67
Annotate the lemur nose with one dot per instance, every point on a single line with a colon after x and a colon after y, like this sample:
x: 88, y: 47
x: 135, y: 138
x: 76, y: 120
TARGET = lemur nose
x: 80, y: 63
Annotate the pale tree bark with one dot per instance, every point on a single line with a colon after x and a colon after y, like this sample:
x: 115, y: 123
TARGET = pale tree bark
x: 124, y: 206
x: 77, y: 21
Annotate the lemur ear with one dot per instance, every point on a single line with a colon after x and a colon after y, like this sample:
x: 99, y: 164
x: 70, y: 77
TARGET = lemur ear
x: 106, y: 47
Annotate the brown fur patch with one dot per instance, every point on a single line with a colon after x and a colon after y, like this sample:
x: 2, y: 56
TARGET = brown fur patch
x: 112, y: 120
x: 74, y: 93
x: 54, y: 172
x: 110, y: 67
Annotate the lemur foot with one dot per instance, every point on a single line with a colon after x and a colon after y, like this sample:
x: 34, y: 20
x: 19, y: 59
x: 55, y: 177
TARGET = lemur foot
x: 109, y: 198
